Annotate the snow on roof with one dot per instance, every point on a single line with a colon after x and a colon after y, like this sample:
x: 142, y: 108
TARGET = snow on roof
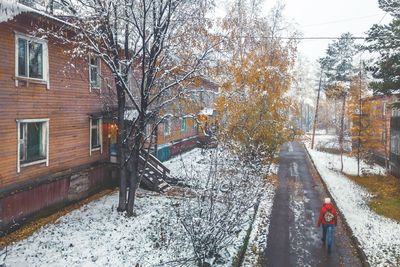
x: 207, y: 111
x: 11, y: 8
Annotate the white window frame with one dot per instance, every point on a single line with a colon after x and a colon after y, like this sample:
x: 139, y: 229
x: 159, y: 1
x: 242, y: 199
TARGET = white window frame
x: 186, y: 128
x: 47, y: 128
x: 98, y: 66
x: 167, y: 121
x: 45, y: 59
x: 100, y: 133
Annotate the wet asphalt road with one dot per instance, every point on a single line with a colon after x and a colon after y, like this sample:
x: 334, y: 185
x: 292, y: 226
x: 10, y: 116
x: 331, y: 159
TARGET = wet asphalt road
x: 293, y: 238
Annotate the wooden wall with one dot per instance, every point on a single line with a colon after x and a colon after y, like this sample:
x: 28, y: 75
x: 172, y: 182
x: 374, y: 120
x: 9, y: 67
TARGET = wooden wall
x: 67, y: 103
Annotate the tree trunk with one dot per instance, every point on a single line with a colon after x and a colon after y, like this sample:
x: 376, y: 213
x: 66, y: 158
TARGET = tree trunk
x: 316, y: 111
x: 341, y: 134
x: 120, y: 149
x: 135, y: 177
x: 134, y: 180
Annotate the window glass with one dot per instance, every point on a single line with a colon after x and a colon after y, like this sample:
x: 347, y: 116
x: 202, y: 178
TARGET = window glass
x: 167, y: 127
x: 32, y: 141
x: 95, y: 133
x: 34, y: 144
x: 30, y: 59
x: 94, y: 72
x: 35, y: 60
x: 22, y: 57
x: 183, y: 125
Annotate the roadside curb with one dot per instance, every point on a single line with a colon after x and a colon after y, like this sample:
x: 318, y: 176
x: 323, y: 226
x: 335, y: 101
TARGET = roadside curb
x: 354, y: 239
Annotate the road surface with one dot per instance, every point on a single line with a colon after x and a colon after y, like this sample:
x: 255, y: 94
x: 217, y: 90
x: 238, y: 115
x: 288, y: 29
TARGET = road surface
x: 293, y: 238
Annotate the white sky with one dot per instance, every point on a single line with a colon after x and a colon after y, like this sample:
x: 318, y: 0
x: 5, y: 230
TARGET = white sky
x: 329, y: 18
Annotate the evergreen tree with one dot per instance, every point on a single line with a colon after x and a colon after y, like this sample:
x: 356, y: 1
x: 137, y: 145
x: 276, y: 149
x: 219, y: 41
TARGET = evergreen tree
x: 385, y: 40
x: 337, y: 66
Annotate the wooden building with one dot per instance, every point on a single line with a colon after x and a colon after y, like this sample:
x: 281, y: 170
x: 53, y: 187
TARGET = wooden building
x: 57, y: 134
x: 380, y: 116
x: 52, y: 151
x: 186, y: 131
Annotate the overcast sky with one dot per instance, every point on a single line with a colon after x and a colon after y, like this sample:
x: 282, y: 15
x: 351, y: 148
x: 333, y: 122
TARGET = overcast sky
x: 328, y: 18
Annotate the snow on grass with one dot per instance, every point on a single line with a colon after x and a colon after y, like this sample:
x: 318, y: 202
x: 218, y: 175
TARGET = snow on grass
x: 97, y: 235
x: 333, y: 160
x: 378, y: 235
x: 259, y: 234
x: 189, y: 165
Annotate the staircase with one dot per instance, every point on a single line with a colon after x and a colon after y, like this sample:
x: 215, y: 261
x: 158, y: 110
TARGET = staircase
x: 154, y: 173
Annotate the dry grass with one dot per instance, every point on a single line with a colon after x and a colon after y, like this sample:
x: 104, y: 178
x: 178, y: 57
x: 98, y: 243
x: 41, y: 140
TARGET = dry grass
x: 31, y: 227
x: 387, y: 194
x: 273, y: 179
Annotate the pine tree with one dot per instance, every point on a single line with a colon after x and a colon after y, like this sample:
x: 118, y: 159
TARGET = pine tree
x: 338, y: 69
x: 385, y: 39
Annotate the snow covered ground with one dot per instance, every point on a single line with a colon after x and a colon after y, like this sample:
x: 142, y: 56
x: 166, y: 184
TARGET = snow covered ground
x: 333, y: 160
x: 378, y: 235
x: 259, y: 233
x: 97, y: 235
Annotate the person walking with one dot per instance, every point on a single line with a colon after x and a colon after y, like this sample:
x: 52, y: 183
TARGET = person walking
x: 328, y: 219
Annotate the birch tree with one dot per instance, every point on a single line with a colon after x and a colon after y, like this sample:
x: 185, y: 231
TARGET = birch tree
x: 254, y: 104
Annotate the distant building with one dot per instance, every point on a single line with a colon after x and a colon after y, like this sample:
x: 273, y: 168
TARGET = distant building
x: 381, y: 116
x: 394, y: 160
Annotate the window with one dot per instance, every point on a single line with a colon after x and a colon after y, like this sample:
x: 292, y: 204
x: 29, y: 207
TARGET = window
x: 33, y: 142
x: 167, y: 126
x: 94, y: 72
x: 394, y: 142
x: 194, y: 124
x: 183, y: 125
x: 149, y: 130
x: 383, y: 136
x: 123, y: 69
x: 95, y: 134
x: 384, y: 109
x: 31, y: 58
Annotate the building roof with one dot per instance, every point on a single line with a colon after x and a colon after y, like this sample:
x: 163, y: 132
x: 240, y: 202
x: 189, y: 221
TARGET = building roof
x: 9, y: 9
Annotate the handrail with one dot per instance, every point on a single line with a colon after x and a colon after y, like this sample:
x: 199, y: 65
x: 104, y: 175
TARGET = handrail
x: 156, y: 162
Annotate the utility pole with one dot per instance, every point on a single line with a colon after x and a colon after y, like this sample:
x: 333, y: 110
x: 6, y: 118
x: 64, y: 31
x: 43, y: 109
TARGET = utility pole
x: 359, y: 124
x: 316, y: 110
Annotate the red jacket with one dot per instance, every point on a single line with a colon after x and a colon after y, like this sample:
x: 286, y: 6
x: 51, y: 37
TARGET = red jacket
x: 327, y: 207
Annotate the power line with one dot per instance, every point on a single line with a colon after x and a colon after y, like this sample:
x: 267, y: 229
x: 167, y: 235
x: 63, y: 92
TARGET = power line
x: 310, y: 37
x: 338, y: 21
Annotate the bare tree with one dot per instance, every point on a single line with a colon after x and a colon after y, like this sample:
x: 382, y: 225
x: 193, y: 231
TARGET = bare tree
x: 142, y: 37
x: 222, y: 206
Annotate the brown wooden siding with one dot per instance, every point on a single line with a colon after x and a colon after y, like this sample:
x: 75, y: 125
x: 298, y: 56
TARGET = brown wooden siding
x: 67, y: 104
